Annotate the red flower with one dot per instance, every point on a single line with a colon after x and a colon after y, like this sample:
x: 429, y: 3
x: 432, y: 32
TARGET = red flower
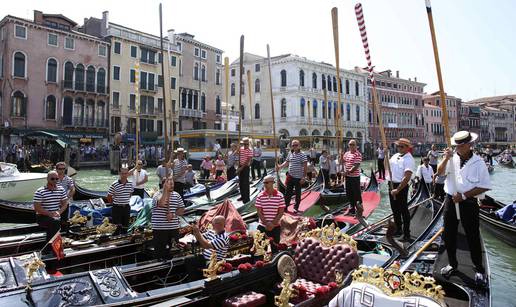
x: 302, y: 292
x: 259, y: 264
x: 332, y: 285
x: 245, y: 267
x: 227, y: 267
x: 322, y: 290
x: 234, y: 237
x: 248, y: 266
x: 243, y: 236
x: 282, y: 246
x: 293, y: 244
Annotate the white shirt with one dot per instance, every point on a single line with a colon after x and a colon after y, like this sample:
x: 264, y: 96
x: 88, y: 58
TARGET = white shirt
x: 333, y: 167
x: 139, y: 176
x: 473, y: 174
x: 425, y: 172
x: 400, y: 164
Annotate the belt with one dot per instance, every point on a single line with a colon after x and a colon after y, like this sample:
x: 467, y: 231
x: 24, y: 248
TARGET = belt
x: 475, y: 199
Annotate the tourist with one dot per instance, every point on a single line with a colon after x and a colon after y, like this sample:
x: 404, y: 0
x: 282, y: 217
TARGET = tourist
x: 163, y: 171
x: 167, y: 206
x: 425, y: 173
x: 139, y: 179
x: 256, y: 164
x: 438, y: 181
x: 381, y: 162
x: 332, y: 160
x: 179, y: 165
x: 489, y: 153
x: 206, y: 166
x: 119, y: 194
x: 466, y: 182
x: 402, y: 166
x: 50, y: 202
x: 351, y: 163
x: 313, y: 155
x: 296, y: 162
x: 245, y: 155
x: 65, y: 182
x: 232, y: 158
x: 433, y: 155
x: 270, y: 205
x: 215, y: 239
x: 324, y: 164
x: 216, y: 148
x: 220, y: 166
x: 190, y: 176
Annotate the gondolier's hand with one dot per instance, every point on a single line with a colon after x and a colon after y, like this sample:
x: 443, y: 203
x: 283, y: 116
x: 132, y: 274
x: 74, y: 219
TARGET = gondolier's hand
x: 394, y: 192
x: 448, y: 153
x: 170, y: 216
x: 55, y: 214
x: 277, y: 167
x: 457, y: 198
x: 269, y: 226
x: 302, y: 181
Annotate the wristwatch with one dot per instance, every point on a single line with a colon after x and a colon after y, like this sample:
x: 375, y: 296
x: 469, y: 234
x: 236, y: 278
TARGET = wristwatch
x: 463, y: 196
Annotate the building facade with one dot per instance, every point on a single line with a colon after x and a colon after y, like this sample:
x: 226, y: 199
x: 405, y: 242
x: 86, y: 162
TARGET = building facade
x: 402, y: 108
x: 52, y: 77
x: 434, y: 129
x: 300, y: 105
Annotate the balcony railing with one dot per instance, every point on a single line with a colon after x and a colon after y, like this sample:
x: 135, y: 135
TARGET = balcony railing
x: 150, y: 88
x: 79, y: 86
x: 67, y: 84
x: 191, y: 113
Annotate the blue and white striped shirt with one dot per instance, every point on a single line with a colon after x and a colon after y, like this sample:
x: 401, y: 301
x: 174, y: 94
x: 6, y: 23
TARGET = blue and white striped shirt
x: 219, y: 241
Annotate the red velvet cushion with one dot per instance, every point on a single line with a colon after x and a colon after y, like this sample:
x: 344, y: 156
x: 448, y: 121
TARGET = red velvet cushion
x: 309, y: 285
x: 318, y: 263
x: 248, y: 299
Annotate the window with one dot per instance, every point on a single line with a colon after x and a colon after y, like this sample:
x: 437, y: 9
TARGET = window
x: 357, y: 89
x: 50, y: 107
x: 134, y: 52
x: 323, y: 82
x: 203, y: 73
x: 336, y: 86
x: 242, y: 112
x: 256, y: 111
x: 348, y: 112
x: 256, y: 67
x: 232, y: 72
x: 217, y: 77
x: 132, y: 76
x: 257, y: 86
x: 218, y: 58
x: 160, y: 81
x: 203, y: 102
x: 358, y: 114
x: 51, y: 70
x: 283, y: 108
x: 218, y: 106
x: 117, y: 48
x: 151, y: 82
x: 179, y: 46
x: 90, y: 79
x: 232, y: 89
x: 52, y: 39
x: 68, y: 75
x: 20, y: 31
x: 116, y: 99
x: 203, y: 54
x: 330, y: 83
x: 314, y: 80
x: 302, y: 108
x: 173, y: 61
x: 116, y: 73
x: 196, y: 51
x: 159, y: 127
x: 18, y: 107
x: 148, y: 56
x: 314, y: 107
x: 347, y: 87
x: 196, y: 71
x: 132, y: 102
x: 301, y: 78
x: 102, y: 50
x: 173, y: 83
x: 160, y: 57
x: 283, y: 74
x: 323, y: 108
x: 69, y: 43
x: 143, y: 80
x: 19, y: 68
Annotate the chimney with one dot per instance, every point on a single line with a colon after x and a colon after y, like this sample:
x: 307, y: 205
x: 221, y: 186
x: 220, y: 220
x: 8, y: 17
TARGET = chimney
x: 397, y: 74
x: 38, y: 17
x: 415, y: 79
x: 104, y: 23
x: 171, y: 36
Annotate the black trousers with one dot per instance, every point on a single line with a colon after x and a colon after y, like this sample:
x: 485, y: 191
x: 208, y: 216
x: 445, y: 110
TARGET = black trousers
x: 231, y: 171
x: 194, y: 266
x: 434, y: 167
x: 293, y: 183
x: 179, y: 187
x: 353, y: 191
x: 256, y: 165
x: 275, y: 234
x: 218, y: 173
x: 326, y: 174
x: 139, y: 192
x: 243, y: 183
x: 205, y: 174
x: 400, y: 211
x: 470, y: 223
x: 439, y: 191
x: 51, y: 225
x: 120, y: 215
x: 161, y: 240
x: 381, y: 169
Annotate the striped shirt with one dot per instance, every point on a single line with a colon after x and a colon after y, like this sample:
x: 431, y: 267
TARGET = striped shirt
x: 66, y: 183
x: 219, y: 241
x: 159, y: 214
x: 257, y: 154
x: 233, y: 158
x: 270, y: 205
x: 121, y: 192
x: 350, y: 159
x: 50, y: 200
x: 296, y: 161
x: 180, y: 170
x: 246, y: 154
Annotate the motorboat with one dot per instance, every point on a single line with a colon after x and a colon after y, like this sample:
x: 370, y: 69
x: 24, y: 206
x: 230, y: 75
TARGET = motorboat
x: 18, y: 186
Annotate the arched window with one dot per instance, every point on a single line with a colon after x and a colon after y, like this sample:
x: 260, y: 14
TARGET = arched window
x: 283, y: 78
x: 323, y: 82
x: 18, y: 104
x: 203, y: 102
x: 218, y: 106
x: 329, y: 109
x: 316, y: 132
x: 50, y: 107
x: 358, y: 114
x: 357, y: 89
x: 283, y: 108
x: 335, y: 88
x: 184, y: 100
x: 242, y: 112
x: 257, y: 85
x: 90, y: 79
x: 257, y: 111
x: 232, y: 89
x: 314, y: 107
x: 314, y: 80
x: 348, y: 111
x: 323, y: 108
x: 196, y: 71
x: 68, y: 75
x: 203, y: 72
x: 19, y: 65
x: 51, y: 70
x: 302, y: 108
x: 101, y: 80
x: 301, y: 78
x: 242, y: 88
x: 303, y: 132
x: 347, y: 87
x: 217, y: 77
x: 190, y: 99
x: 329, y: 84
x: 79, y: 77
x: 370, y: 117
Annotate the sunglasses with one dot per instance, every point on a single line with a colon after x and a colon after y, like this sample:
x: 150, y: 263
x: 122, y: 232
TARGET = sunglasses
x: 54, y: 179
x: 401, y: 146
x: 268, y: 182
x: 295, y: 145
x: 61, y: 168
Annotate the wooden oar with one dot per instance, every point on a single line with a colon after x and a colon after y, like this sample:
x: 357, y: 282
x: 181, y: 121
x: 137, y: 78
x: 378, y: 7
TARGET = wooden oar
x: 240, y: 87
x: 226, y: 66
x: 335, y: 26
x: 272, y: 109
x: 421, y: 250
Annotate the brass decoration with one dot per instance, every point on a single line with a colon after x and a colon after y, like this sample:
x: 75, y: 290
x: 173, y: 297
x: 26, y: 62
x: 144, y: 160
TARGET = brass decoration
x: 260, y: 244
x: 213, y: 267
x: 339, y: 277
x: 32, y: 267
x: 78, y: 219
x: 330, y: 235
x: 287, y: 292
x: 394, y: 283
x: 106, y: 227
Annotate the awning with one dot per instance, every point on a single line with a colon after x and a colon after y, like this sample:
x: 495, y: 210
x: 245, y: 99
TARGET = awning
x: 58, y: 138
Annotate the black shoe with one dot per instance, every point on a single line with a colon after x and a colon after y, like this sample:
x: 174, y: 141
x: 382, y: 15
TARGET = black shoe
x: 447, y: 271
x: 480, y: 279
x: 352, y: 211
x: 398, y: 233
x: 407, y: 239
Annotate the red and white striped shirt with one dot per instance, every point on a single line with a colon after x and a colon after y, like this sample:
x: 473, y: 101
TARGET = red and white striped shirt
x: 350, y: 159
x: 246, y: 154
x: 270, y: 205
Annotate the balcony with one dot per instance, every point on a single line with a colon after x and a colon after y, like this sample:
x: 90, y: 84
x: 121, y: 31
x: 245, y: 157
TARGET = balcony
x: 101, y: 89
x: 90, y: 87
x: 71, y: 85
x: 67, y: 84
x: 191, y: 113
x: 79, y: 86
x: 149, y: 89
x: 78, y: 121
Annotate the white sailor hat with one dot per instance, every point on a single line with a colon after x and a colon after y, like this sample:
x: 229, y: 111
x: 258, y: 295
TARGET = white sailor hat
x: 463, y: 137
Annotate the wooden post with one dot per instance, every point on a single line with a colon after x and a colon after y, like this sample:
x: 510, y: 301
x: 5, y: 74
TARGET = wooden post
x: 249, y: 87
x: 272, y: 106
x: 335, y: 23
x: 240, y: 86
x: 226, y: 66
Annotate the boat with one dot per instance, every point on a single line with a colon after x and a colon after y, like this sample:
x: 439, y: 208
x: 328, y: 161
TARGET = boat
x: 505, y: 161
x: 15, y: 186
x: 504, y: 231
x: 337, y: 195
x: 82, y: 193
x: 309, y: 197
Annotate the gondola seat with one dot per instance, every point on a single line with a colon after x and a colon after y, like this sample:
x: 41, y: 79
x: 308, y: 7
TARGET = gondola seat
x: 248, y: 299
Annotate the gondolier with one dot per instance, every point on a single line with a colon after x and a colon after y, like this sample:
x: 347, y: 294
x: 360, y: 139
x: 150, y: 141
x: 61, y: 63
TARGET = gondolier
x: 139, y: 179
x: 167, y: 206
x: 66, y: 182
x: 402, y: 166
x: 466, y: 182
x: 324, y: 164
x: 425, y: 172
x: 180, y: 166
x: 297, y: 166
x: 119, y: 194
x: 270, y: 205
x: 163, y: 171
x: 245, y: 155
x: 257, y: 161
x: 351, y: 161
x: 215, y: 239
x: 50, y: 202
x: 232, y: 161
x: 433, y: 155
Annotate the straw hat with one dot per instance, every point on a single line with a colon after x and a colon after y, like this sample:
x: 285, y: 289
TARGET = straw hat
x: 403, y: 141
x: 463, y: 137
x: 180, y: 150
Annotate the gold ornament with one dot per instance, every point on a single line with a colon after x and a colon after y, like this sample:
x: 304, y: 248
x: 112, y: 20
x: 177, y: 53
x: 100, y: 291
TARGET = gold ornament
x: 339, y: 277
x: 32, y: 267
x: 106, y: 227
x: 78, y: 219
x: 394, y: 283
x: 287, y: 292
x: 260, y: 244
x: 213, y: 267
x: 330, y: 235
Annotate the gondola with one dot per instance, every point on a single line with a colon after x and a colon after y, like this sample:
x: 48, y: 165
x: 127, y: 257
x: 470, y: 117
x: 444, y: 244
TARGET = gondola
x: 504, y: 231
x: 505, y: 162
x: 82, y: 193
x: 337, y: 195
x: 309, y: 197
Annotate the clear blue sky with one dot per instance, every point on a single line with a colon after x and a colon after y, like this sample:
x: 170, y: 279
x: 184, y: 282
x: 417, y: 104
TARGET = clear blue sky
x: 476, y: 37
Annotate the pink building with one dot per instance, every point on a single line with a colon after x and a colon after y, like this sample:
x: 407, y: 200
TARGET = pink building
x: 434, y: 129
x: 52, y: 77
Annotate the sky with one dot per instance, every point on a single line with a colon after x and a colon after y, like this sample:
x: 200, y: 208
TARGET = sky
x: 476, y: 38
